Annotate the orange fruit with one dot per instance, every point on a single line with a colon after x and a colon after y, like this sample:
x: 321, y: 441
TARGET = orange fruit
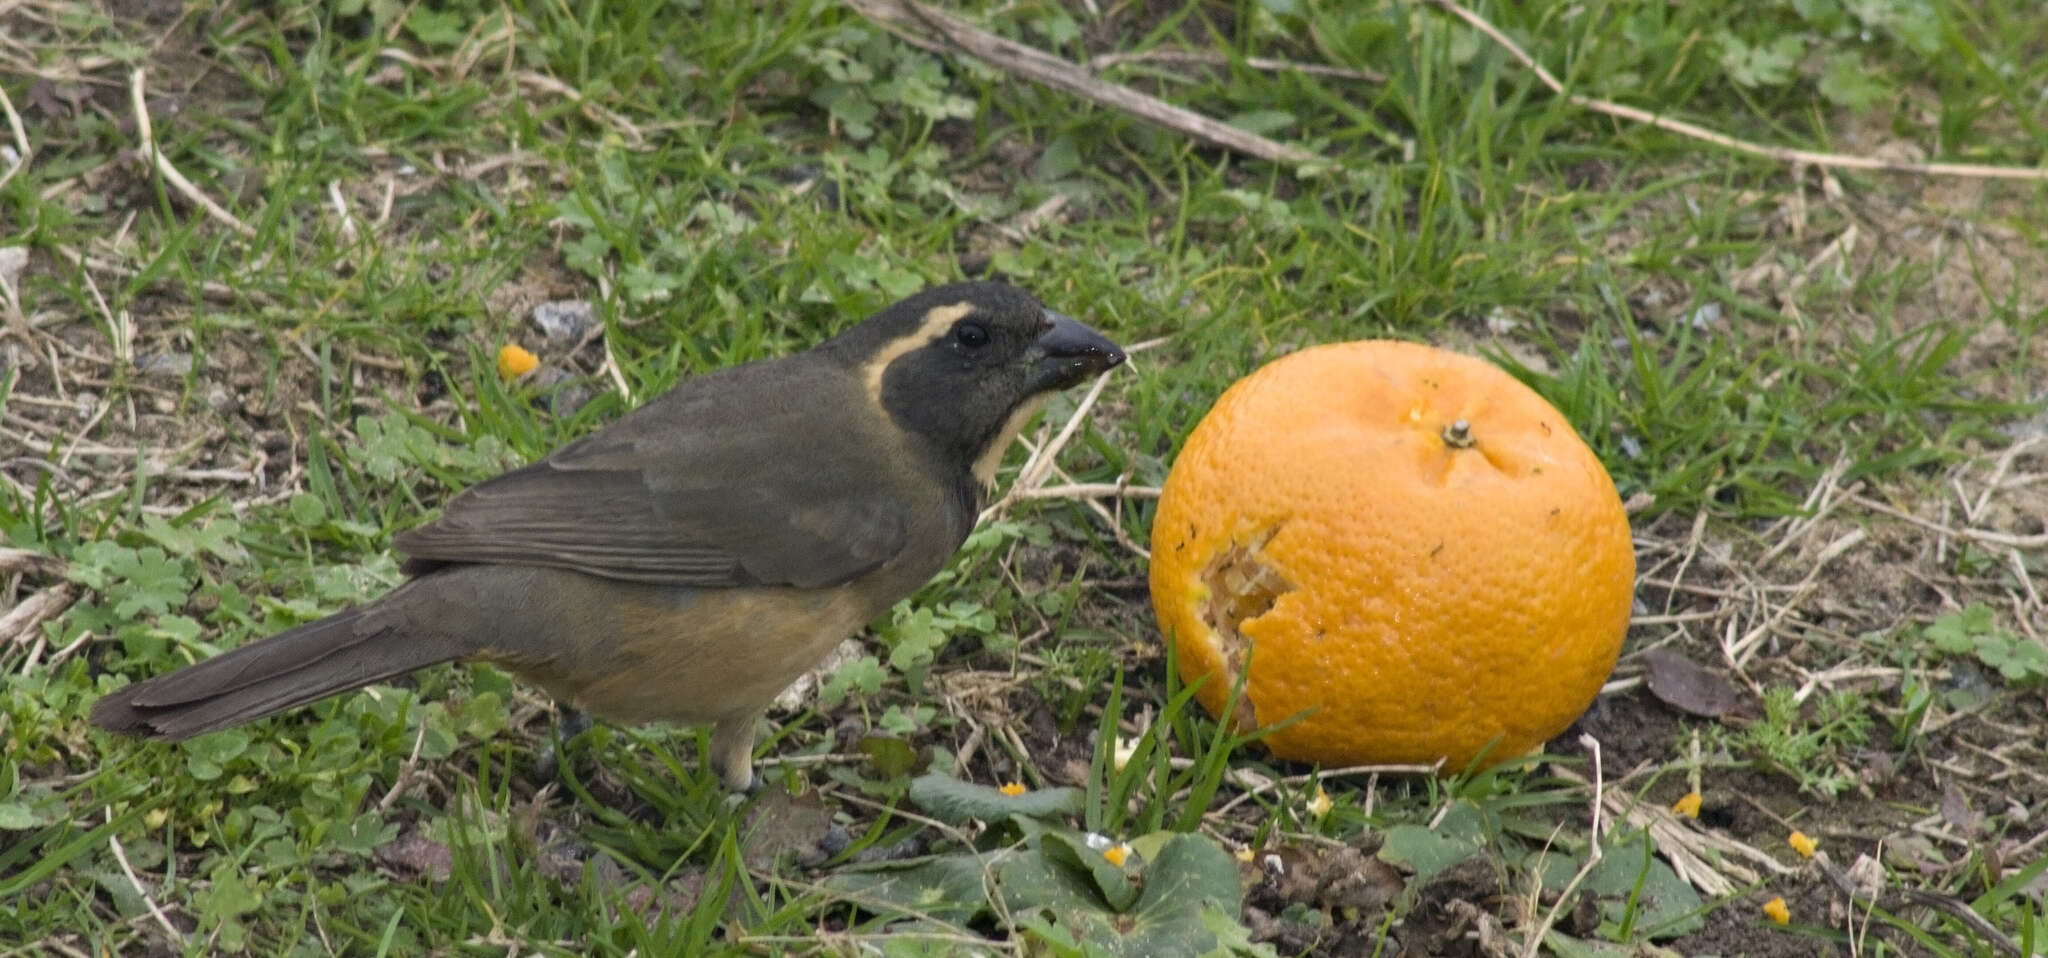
x: 1403, y: 545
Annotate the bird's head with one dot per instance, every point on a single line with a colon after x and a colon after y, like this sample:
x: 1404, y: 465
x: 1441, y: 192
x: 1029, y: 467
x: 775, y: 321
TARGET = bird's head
x: 966, y: 365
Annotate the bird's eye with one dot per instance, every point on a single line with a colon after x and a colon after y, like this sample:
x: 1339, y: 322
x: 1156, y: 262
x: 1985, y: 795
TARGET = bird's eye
x: 970, y: 335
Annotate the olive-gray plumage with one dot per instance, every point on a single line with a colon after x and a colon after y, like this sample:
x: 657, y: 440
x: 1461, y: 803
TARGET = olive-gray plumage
x: 688, y: 561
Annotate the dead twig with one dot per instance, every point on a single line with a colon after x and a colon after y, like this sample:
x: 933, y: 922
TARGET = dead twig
x: 243, y: 477
x: 941, y: 32
x: 1033, y: 474
x: 33, y: 611
x: 1206, y: 58
x: 340, y: 203
x: 1682, y: 128
x: 34, y: 563
x: 22, y: 150
x: 162, y: 163
x: 1593, y: 855
x: 607, y: 118
x: 1986, y: 536
x: 121, y: 857
x: 406, y: 770
x: 1947, y: 904
x: 211, y: 288
x: 58, y: 657
x: 1255, y: 785
x: 1709, y: 861
x: 1091, y: 490
x: 1739, y: 651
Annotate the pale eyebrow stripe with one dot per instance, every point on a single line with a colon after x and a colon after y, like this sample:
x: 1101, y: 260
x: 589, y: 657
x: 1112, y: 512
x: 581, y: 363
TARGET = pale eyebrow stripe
x: 935, y: 324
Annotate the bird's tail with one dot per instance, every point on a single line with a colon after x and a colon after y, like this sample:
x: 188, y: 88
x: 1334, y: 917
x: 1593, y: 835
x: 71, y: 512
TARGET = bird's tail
x: 348, y: 650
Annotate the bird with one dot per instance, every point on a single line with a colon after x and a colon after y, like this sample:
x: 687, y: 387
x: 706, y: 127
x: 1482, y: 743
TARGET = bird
x: 688, y: 561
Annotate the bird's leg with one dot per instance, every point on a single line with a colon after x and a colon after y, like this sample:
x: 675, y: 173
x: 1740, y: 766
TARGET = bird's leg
x: 732, y: 750
x: 570, y: 722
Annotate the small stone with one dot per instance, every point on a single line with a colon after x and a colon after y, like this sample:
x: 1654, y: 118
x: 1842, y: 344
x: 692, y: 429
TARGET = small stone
x: 1704, y: 316
x: 220, y: 400
x: 86, y: 404
x: 566, y: 400
x: 165, y: 365
x: 564, y: 320
x: 12, y: 260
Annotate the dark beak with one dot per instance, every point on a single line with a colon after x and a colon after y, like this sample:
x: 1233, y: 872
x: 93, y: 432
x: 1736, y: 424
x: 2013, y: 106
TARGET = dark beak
x: 1070, y: 352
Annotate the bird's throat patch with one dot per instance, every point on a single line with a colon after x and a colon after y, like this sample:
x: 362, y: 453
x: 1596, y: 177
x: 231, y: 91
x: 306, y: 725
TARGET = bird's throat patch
x: 992, y: 455
x: 934, y: 325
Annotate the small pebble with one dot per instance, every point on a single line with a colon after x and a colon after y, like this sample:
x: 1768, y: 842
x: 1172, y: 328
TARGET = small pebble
x: 835, y: 840
x: 566, y: 400
x: 1704, y: 316
x: 166, y: 365
x: 13, y: 259
x: 564, y: 320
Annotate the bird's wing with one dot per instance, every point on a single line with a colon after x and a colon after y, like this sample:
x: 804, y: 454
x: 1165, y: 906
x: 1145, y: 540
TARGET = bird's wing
x: 701, y: 488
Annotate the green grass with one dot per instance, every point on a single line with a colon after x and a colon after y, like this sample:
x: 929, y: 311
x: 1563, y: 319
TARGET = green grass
x: 734, y: 181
